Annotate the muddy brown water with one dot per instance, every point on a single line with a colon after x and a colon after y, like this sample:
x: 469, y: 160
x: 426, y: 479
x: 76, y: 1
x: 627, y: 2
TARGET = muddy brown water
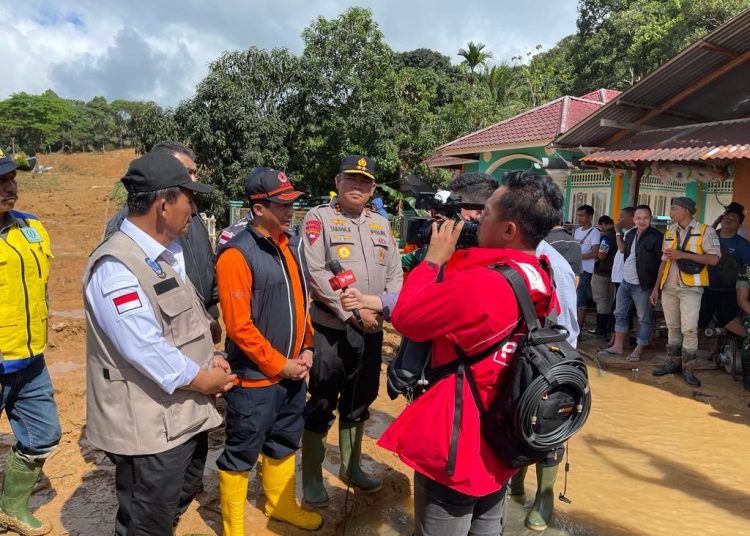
x: 649, y: 461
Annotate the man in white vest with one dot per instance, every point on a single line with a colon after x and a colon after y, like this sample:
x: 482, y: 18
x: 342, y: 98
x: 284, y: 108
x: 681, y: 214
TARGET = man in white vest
x: 151, y: 371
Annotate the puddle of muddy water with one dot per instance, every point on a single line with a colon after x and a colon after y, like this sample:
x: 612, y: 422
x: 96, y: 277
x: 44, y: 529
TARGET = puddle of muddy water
x: 648, y: 462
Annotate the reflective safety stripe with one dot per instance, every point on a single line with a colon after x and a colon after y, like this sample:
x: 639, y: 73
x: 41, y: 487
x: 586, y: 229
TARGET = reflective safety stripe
x: 694, y: 245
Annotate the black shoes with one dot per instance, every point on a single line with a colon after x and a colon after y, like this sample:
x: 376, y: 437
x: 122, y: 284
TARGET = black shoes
x: 690, y: 378
x: 671, y: 368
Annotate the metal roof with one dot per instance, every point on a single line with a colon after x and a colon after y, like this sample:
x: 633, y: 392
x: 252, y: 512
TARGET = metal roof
x: 722, y: 140
x: 725, y: 97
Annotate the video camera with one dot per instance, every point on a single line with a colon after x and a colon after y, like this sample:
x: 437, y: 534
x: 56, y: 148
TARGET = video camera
x: 443, y: 207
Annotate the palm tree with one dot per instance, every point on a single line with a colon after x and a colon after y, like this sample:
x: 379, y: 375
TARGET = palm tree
x: 474, y: 56
x: 504, y: 84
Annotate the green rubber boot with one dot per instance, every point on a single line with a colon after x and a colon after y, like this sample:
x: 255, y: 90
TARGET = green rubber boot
x: 350, y: 472
x: 20, y: 477
x: 544, y: 504
x: 313, y: 454
x: 516, y: 482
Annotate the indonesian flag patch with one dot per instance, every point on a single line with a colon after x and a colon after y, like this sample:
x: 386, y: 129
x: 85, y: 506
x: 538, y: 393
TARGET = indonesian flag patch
x: 127, y: 302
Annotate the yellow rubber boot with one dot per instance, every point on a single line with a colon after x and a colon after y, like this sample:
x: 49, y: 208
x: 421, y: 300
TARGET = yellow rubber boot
x: 233, y: 494
x: 279, y: 485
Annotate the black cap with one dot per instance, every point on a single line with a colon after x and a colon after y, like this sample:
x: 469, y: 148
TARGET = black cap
x: 735, y: 207
x: 271, y: 184
x: 158, y: 170
x: 355, y: 163
x: 684, y: 202
x: 7, y: 164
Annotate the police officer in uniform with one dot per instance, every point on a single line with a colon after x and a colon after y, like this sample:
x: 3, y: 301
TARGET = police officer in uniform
x: 151, y: 369
x: 26, y: 393
x: 681, y: 287
x: 346, y: 369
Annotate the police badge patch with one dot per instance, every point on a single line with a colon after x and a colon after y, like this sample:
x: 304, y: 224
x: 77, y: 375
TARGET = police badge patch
x: 312, y: 230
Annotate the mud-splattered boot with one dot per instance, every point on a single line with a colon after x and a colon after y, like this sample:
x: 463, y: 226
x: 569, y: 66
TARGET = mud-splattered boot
x: 20, y: 478
x: 688, y: 366
x: 350, y: 472
x: 674, y: 361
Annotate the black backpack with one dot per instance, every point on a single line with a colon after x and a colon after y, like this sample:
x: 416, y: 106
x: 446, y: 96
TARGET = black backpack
x: 544, y: 401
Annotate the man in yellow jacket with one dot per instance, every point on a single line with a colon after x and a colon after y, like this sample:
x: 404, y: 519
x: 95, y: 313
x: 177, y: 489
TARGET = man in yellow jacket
x: 26, y: 393
x: 687, y: 250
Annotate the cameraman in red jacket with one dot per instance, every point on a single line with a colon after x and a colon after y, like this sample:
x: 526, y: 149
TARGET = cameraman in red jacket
x: 472, y: 307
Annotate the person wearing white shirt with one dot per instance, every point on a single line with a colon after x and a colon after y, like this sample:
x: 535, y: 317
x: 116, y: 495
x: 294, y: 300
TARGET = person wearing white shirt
x: 151, y: 368
x: 623, y: 226
x: 589, y: 237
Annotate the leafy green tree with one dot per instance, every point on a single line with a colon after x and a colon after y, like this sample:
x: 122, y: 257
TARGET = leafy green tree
x: 621, y: 41
x: 33, y: 122
x: 241, y: 117
x: 152, y: 125
x: 349, y: 98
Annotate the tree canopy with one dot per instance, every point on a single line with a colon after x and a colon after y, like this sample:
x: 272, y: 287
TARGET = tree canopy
x: 349, y: 92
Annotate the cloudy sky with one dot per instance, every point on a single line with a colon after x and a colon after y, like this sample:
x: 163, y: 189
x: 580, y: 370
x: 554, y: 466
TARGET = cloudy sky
x: 159, y: 49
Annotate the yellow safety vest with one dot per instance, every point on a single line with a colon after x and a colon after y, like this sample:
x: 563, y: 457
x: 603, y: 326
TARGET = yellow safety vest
x: 25, y: 255
x: 694, y: 245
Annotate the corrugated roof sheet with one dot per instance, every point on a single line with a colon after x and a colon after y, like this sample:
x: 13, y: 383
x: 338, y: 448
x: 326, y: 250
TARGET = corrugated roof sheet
x: 725, y: 98
x: 722, y: 140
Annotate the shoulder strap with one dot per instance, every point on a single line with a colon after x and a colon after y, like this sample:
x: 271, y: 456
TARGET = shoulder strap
x: 586, y: 235
x: 688, y: 233
x: 522, y: 295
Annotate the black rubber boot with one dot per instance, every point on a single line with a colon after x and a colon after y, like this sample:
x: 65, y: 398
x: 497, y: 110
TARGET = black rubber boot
x: 674, y: 362
x: 688, y: 364
x: 516, y: 488
x: 602, y: 326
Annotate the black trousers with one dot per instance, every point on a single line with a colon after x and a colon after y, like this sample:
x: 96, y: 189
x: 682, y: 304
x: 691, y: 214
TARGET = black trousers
x: 262, y: 419
x: 721, y: 303
x: 154, y: 490
x: 343, y: 376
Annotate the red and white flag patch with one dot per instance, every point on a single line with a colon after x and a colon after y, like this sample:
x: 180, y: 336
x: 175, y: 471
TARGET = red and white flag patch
x: 127, y: 302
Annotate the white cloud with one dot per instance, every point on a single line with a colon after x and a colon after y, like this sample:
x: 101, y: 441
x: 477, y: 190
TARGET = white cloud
x: 159, y: 49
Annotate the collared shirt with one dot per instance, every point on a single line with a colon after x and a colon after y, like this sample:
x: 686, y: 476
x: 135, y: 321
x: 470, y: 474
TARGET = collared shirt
x: 362, y: 243
x: 136, y: 334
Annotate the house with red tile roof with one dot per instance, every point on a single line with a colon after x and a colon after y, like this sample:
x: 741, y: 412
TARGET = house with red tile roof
x: 521, y: 141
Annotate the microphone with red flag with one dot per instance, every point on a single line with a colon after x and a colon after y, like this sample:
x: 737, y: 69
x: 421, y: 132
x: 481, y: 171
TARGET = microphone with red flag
x: 342, y: 280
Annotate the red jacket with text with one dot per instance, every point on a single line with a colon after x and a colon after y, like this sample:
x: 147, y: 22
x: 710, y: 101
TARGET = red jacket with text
x: 473, y: 307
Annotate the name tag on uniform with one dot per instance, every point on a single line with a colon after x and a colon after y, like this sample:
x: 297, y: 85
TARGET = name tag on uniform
x: 31, y: 234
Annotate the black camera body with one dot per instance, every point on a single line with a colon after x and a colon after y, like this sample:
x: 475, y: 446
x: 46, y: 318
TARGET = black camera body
x: 444, y: 207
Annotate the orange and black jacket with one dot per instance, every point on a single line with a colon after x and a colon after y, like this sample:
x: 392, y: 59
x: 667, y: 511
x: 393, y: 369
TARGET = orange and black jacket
x: 264, y: 302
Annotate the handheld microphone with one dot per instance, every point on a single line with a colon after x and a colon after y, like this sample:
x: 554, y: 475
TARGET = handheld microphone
x: 341, y: 280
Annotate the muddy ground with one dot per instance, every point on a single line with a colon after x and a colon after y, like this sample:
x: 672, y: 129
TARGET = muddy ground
x: 77, y: 491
